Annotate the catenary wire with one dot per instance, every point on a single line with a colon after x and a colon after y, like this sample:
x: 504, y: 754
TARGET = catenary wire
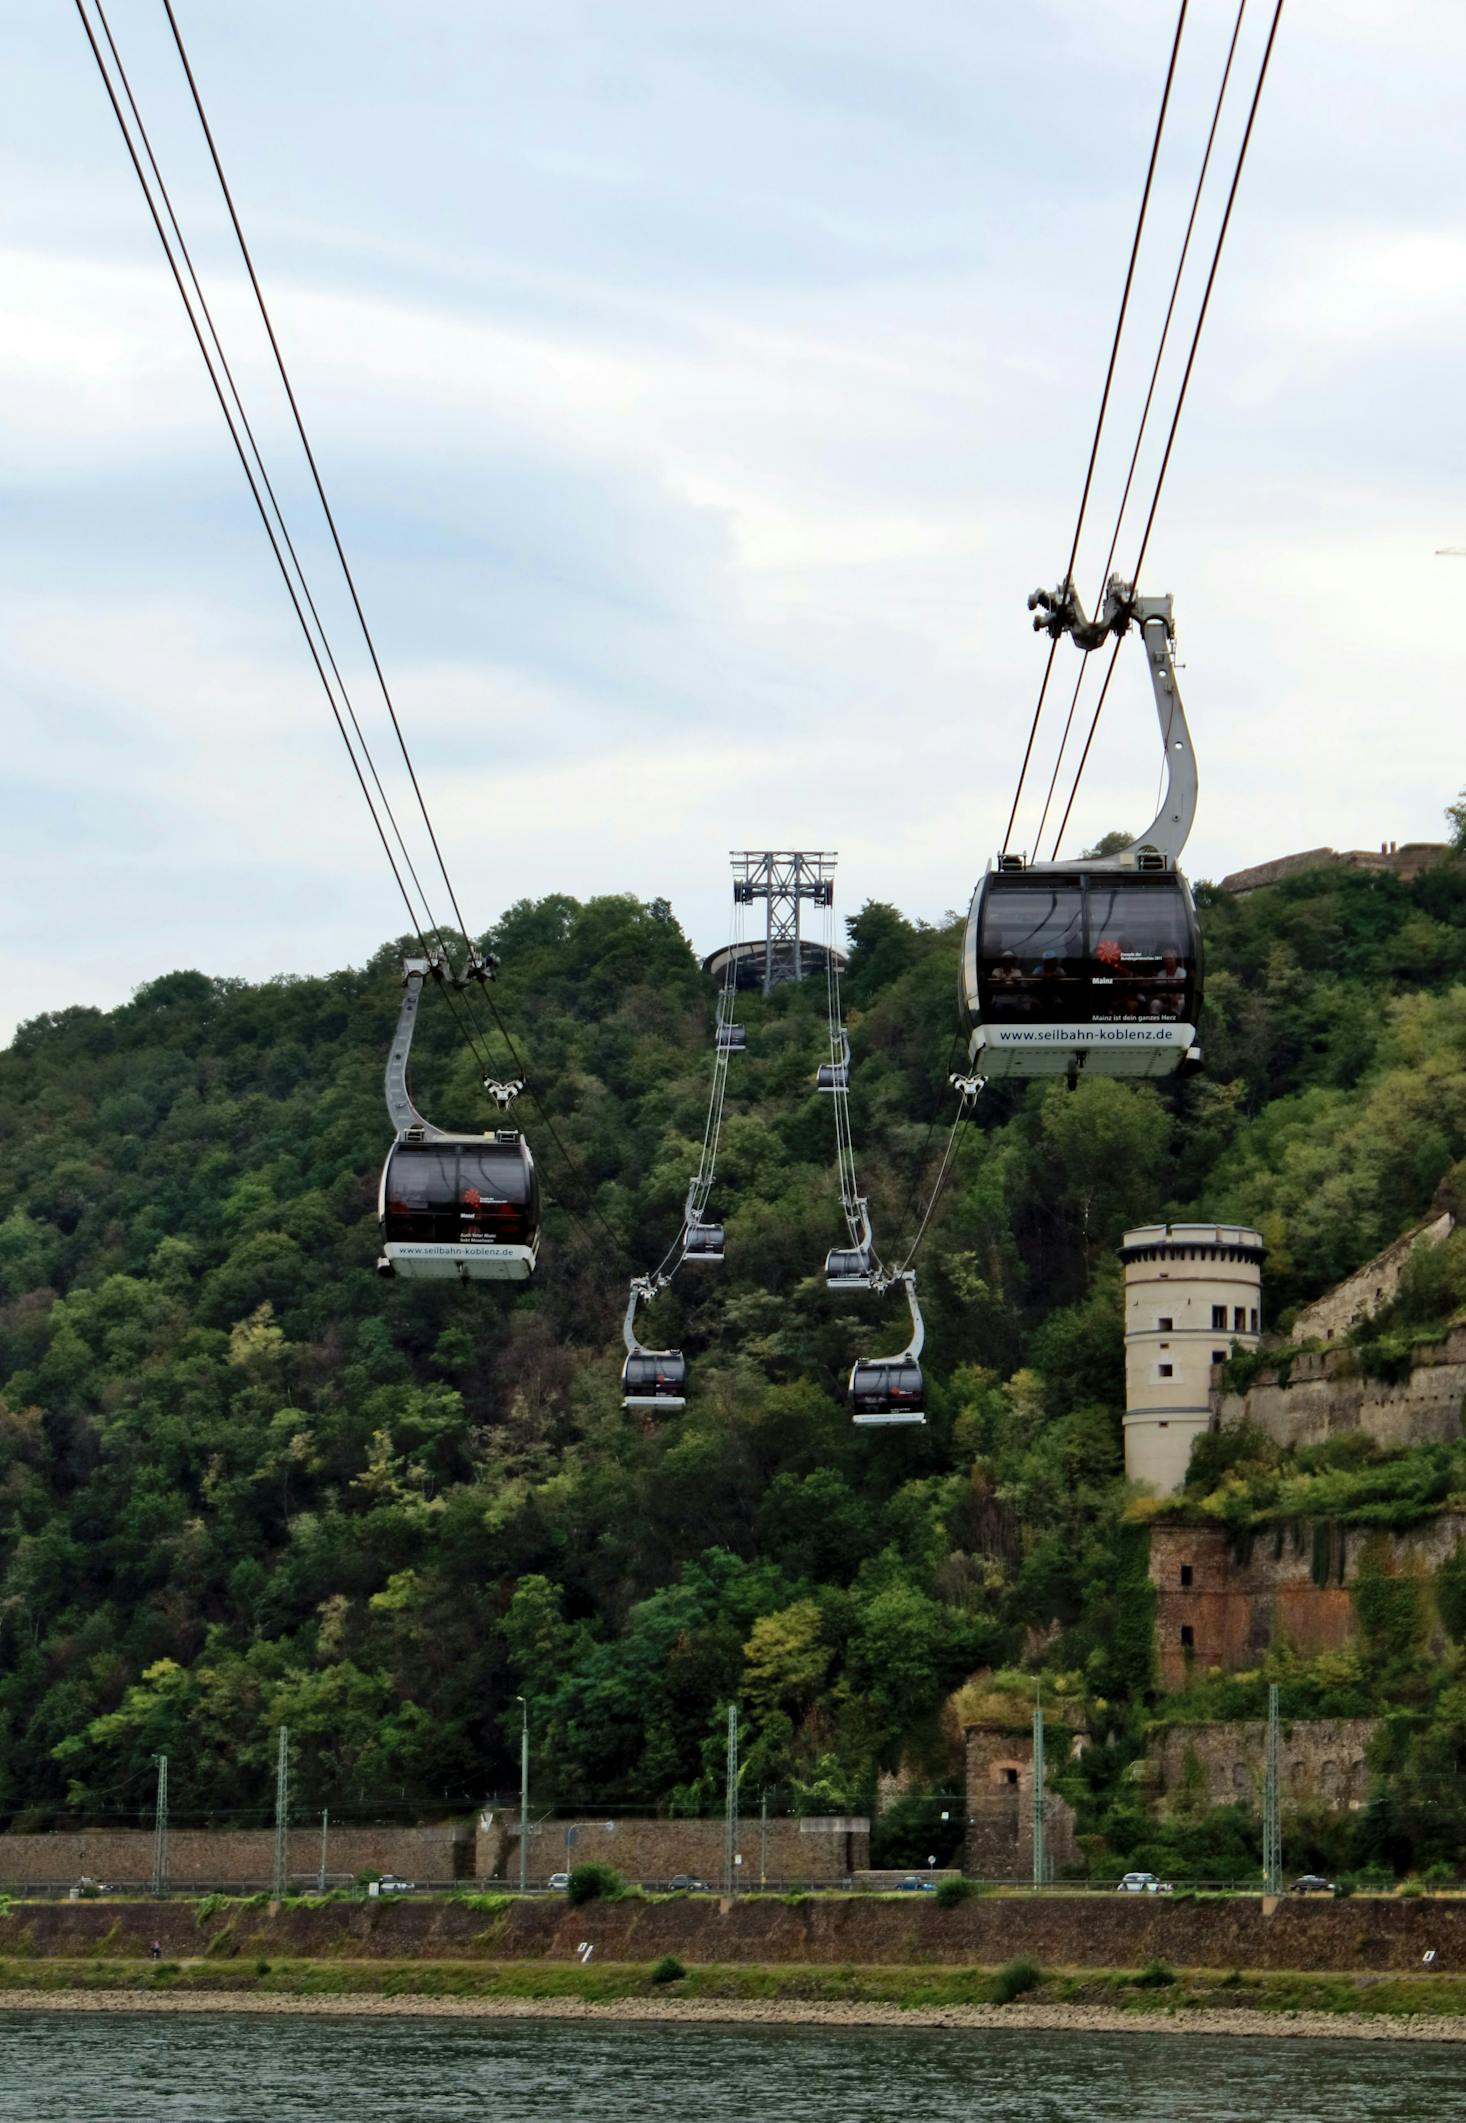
x: 255, y: 493
x: 1181, y: 393
x: 463, y: 1020
x: 1155, y: 148
x: 311, y: 461
x: 159, y: 180
x: 1145, y: 409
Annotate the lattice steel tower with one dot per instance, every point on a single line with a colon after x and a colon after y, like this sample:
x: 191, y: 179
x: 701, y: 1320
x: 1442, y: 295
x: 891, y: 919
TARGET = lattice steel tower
x: 784, y: 878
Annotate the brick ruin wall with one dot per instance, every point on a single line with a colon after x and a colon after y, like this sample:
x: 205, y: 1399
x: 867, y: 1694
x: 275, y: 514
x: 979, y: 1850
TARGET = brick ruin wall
x: 1221, y: 1763
x: 1218, y: 1605
x: 999, y: 1841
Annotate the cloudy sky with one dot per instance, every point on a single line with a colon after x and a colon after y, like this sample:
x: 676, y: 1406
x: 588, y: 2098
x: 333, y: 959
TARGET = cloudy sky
x: 701, y: 386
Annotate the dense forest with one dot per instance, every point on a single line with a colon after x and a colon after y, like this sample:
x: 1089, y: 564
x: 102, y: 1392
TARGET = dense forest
x: 244, y: 1482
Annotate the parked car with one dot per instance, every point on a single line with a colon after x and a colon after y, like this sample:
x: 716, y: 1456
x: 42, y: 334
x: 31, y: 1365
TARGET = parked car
x: 1143, y: 1883
x: 559, y: 1881
x: 686, y: 1883
x: 914, y: 1884
x: 391, y: 1884
x: 1312, y: 1883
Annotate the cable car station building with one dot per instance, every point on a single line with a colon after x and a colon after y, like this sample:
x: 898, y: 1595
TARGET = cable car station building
x: 1193, y: 1294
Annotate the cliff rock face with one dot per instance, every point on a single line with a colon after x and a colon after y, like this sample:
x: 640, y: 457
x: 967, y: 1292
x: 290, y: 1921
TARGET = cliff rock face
x: 1220, y: 1602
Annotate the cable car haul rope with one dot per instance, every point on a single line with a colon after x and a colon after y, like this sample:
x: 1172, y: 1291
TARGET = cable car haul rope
x: 1086, y: 966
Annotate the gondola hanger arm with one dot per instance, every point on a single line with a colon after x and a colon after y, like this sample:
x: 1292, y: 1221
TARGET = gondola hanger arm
x: 404, y: 1116
x: 1059, y: 612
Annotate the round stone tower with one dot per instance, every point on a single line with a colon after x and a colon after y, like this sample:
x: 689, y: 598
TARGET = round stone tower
x: 1193, y: 1293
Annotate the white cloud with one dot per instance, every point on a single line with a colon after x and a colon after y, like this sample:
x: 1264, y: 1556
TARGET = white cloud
x: 701, y: 392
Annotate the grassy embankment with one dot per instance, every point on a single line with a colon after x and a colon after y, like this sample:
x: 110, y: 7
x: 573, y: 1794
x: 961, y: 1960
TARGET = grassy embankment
x: 1156, y: 1989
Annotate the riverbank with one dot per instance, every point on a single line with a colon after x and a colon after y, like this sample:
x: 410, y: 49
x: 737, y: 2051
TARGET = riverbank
x: 1154, y: 1998
x: 770, y: 2012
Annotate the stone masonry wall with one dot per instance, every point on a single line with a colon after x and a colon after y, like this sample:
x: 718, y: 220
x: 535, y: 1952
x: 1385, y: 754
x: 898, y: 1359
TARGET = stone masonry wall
x: 235, y: 1856
x: 999, y: 1839
x: 1403, y: 861
x: 1325, y: 1396
x: 1216, y: 1607
x: 1221, y: 1763
x: 1365, y: 1933
x: 811, y: 1849
x: 1361, y: 1294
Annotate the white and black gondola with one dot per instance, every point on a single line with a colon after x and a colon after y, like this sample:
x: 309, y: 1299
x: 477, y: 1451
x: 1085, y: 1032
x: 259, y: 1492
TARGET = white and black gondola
x: 703, y: 1242
x: 1094, y: 965
x: 452, y: 1208
x: 888, y: 1391
x: 650, y: 1378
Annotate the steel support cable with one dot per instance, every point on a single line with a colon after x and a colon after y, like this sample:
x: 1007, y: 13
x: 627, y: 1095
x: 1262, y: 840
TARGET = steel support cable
x: 1155, y: 148
x: 940, y: 1186
x: 1181, y: 393
x: 248, y: 472
x: 311, y: 460
x: 702, y: 1180
x: 430, y: 922
x: 1145, y: 409
x: 852, y: 1198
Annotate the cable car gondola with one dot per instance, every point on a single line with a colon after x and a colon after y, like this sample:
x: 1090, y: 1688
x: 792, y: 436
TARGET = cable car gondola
x: 452, y: 1208
x: 853, y: 1267
x: 732, y: 1039
x: 650, y: 1378
x: 886, y: 1391
x: 848, y: 1268
x: 654, y: 1378
x: 1094, y: 964
x: 704, y: 1242
x: 460, y: 1208
x: 835, y: 1075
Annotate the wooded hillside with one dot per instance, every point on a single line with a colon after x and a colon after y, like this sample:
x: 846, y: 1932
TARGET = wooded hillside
x: 244, y: 1482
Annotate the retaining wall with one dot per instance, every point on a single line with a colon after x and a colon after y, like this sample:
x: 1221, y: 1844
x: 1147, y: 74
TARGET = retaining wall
x: 1102, y: 1930
x: 242, y: 1857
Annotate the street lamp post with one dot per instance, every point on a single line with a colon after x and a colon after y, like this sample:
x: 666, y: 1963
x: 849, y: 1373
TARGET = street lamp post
x: 523, y: 1790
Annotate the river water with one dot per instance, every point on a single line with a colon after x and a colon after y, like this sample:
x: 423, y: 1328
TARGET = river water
x: 207, y: 2068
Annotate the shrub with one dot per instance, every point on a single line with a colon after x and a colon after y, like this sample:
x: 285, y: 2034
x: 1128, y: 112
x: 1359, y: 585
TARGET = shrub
x: 951, y: 1892
x: 594, y: 1883
x: 668, y: 1970
x: 1015, y: 1978
x: 1156, y: 1975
